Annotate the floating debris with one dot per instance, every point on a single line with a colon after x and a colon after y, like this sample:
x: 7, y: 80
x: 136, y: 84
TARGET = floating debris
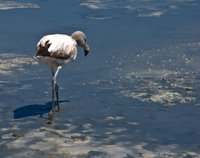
x: 98, y: 18
x: 5, y: 5
x: 172, y: 89
x: 18, y: 62
x: 114, y: 118
x: 153, y: 14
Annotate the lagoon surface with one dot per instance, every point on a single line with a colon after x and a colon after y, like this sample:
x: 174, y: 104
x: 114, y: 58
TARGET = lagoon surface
x: 136, y: 94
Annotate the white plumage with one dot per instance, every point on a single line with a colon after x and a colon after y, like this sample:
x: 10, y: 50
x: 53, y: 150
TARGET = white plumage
x: 61, y: 47
x: 58, y: 42
x: 58, y: 51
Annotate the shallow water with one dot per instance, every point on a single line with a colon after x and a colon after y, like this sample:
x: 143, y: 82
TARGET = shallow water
x: 135, y: 95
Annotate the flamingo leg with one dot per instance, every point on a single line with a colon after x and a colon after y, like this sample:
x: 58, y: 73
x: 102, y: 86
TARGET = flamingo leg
x: 53, y: 106
x: 55, y: 89
x: 56, y: 86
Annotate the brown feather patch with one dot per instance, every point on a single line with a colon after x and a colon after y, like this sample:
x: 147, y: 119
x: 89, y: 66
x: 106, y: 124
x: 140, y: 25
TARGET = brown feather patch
x: 59, y: 54
x: 43, y: 50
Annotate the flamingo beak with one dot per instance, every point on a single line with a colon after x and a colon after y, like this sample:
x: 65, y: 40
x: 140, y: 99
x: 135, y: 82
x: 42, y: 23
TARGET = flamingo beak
x: 86, y: 49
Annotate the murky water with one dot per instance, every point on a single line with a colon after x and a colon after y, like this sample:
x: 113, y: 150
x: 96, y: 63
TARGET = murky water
x: 135, y: 95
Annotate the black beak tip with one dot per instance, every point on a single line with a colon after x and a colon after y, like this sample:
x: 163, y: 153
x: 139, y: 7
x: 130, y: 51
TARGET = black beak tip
x: 86, y: 52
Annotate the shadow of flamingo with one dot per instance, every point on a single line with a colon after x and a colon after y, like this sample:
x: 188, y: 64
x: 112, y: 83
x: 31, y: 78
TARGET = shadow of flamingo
x: 33, y: 109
